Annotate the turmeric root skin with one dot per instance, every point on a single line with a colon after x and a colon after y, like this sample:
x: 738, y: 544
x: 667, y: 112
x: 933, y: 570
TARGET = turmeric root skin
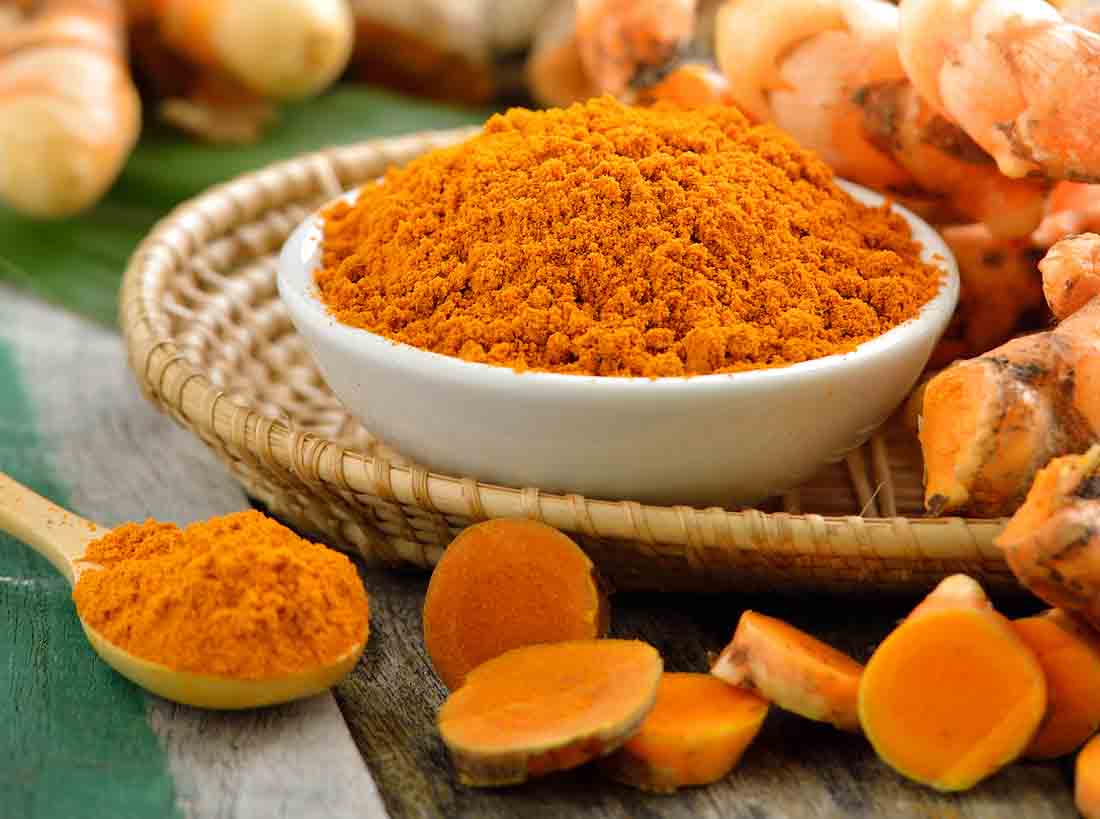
x: 695, y: 735
x: 1052, y: 543
x: 69, y: 113
x: 792, y: 669
x: 990, y: 423
x: 502, y: 584
x: 548, y: 707
x: 1069, y: 653
x: 953, y: 694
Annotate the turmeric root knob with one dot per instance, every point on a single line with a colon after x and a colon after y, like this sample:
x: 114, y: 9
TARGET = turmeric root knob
x: 1069, y: 653
x: 792, y: 669
x: 695, y: 735
x: 953, y: 694
x: 1052, y: 543
x: 990, y: 423
x: 502, y: 584
x: 548, y: 707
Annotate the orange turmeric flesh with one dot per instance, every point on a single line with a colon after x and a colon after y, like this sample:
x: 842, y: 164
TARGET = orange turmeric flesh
x: 502, y: 584
x: 695, y: 735
x: 1086, y: 789
x: 1069, y: 653
x: 1052, y: 543
x: 952, y: 694
x: 797, y: 672
x: 548, y: 707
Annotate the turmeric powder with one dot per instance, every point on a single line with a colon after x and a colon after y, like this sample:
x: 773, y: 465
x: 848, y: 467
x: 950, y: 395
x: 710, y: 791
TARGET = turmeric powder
x: 609, y: 240
x: 239, y: 596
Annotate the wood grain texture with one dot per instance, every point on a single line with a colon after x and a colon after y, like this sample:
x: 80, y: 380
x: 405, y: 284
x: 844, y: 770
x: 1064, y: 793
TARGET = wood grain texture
x: 123, y: 461
x: 795, y: 769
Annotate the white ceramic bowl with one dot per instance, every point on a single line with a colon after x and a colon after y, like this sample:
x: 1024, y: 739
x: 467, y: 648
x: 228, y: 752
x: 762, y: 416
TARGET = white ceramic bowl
x: 724, y: 440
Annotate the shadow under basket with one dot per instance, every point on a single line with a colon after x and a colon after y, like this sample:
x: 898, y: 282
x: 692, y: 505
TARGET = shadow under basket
x: 212, y: 345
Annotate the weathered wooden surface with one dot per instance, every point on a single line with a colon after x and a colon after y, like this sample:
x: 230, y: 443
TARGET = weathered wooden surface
x: 121, y: 460
x: 794, y: 769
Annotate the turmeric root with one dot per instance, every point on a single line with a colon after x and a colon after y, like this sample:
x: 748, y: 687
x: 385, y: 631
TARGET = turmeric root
x: 792, y: 669
x: 548, y: 707
x: 1071, y: 208
x: 990, y: 423
x: 1051, y: 542
x: 617, y: 39
x: 827, y: 72
x: 1000, y: 286
x: 1019, y: 78
x: 554, y: 72
x: 278, y: 49
x: 1086, y: 789
x: 952, y: 694
x: 695, y: 735
x: 502, y: 584
x: 447, y: 49
x: 1071, y: 273
x: 1069, y: 653
x: 69, y: 114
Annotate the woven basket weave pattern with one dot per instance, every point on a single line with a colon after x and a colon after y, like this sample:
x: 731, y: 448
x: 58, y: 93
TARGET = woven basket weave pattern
x: 212, y: 345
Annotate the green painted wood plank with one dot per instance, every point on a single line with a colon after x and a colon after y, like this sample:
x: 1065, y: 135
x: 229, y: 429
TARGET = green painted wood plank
x: 78, y: 262
x: 74, y: 741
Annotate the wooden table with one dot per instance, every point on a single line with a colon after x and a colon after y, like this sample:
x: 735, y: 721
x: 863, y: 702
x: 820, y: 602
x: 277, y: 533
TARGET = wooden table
x: 76, y: 740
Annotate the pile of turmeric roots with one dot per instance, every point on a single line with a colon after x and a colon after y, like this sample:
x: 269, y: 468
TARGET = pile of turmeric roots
x: 515, y: 624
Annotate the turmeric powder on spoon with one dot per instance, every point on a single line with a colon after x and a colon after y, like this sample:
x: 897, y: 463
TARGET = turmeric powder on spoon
x: 237, y: 596
x: 609, y: 240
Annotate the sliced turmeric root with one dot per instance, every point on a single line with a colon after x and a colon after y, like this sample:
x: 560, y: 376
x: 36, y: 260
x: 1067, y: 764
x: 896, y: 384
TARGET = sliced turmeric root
x: 548, y: 707
x: 1086, y: 790
x: 792, y: 669
x: 502, y: 584
x: 1052, y: 543
x: 1069, y: 653
x: 695, y: 735
x: 953, y: 694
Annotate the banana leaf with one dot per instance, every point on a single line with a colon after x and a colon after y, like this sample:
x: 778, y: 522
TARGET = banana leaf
x: 78, y: 262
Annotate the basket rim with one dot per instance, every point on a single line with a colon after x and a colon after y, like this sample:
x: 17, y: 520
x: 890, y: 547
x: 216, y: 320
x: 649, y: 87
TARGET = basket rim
x: 177, y: 386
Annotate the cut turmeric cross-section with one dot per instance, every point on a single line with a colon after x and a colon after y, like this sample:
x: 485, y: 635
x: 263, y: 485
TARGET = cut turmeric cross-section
x: 797, y: 672
x: 1069, y: 652
x: 548, y: 707
x: 503, y: 584
x: 695, y: 734
x: 953, y: 694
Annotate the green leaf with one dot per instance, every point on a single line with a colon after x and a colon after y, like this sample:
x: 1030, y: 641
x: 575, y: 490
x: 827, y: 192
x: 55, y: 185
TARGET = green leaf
x: 78, y: 262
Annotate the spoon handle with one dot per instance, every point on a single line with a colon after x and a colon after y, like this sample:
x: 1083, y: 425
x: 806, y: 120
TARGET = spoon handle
x: 55, y: 533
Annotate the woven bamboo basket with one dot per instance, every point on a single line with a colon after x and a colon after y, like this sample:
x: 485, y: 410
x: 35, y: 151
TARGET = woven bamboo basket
x: 212, y: 346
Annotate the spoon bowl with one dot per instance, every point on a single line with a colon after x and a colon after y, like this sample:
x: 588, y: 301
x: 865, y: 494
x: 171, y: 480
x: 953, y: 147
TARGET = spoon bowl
x: 63, y: 537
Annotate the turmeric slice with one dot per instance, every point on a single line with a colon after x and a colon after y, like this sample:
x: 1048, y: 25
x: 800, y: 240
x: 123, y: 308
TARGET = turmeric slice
x: 695, y: 735
x: 548, y: 707
x: 792, y: 669
x: 502, y: 584
x: 1051, y: 543
x: 1086, y: 790
x: 1069, y: 653
x: 990, y: 423
x: 953, y: 694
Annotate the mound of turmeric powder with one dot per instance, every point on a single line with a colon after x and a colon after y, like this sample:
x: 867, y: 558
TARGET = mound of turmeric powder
x: 239, y: 596
x: 610, y: 240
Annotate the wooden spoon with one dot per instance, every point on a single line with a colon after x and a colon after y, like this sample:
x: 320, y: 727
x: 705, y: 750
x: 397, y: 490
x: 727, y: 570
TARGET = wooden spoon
x: 62, y: 538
